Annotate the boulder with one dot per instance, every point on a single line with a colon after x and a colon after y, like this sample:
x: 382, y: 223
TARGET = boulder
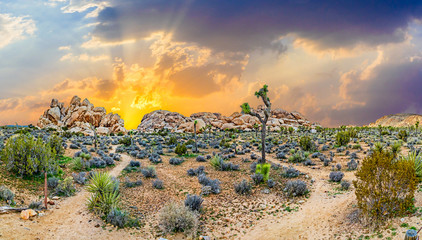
x: 79, y: 117
x: 27, y: 214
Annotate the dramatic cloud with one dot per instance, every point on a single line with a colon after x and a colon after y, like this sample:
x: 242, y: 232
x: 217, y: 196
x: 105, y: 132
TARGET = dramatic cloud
x: 15, y: 28
x: 246, y: 25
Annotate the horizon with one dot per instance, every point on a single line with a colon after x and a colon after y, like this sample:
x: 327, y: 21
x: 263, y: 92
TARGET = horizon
x: 337, y: 64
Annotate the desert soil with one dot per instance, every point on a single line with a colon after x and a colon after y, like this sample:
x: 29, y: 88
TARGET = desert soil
x: 324, y: 215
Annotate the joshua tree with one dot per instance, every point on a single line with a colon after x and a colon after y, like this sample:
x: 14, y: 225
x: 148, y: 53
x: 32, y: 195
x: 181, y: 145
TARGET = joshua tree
x: 95, y: 135
x: 194, y: 132
x: 262, y: 93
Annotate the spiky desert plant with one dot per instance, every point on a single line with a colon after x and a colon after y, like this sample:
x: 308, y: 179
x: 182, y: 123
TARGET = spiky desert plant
x: 104, y: 193
x: 416, y: 159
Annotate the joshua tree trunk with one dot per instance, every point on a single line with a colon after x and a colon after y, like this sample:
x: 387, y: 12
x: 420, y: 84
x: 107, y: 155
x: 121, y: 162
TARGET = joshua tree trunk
x: 262, y: 161
x: 45, y: 189
x: 194, y: 132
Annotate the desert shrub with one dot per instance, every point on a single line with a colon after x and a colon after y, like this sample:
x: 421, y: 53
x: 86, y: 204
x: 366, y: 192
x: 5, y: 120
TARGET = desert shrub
x: 295, y: 188
x: 158, y: 184
x: 298, y: 156
x: 28, y: 156
x: 214, y: 184
x: 172, y: 140
x: 384, y: 186
x: 201, y: 159
x: 228, y: 166
x: 6, y: 194
x: 270, y: 183
x: 416, y: 160
x: 257, y: 178
x: 79, y: 164
x: 130, y: 184
x: 105, y: 194
x: 175, y: 217
x: 35, y: 205
x: 52, y: 183
x: 176, y: 161
x: 338, y: 166
x: 345, y: 185
x: 342, y: 138
x: 65, y: 188
x: 244, y: 187
x: 127, y: 141
x: 336, y: 176
x: 56, y: 144
x: 290, y: 172
x: 135, y: 163
x: 181, y: 149
x: 264, y: 170
x: 117, y: 218
x: 352, y: 165
x: 216, y: 161
x: 306, y: 143
x: 196, y: 172
x: 80, y: 178
x: 149, y: 172
x: 395, y: 148
x: 403, y: 134
x: 194, y: 202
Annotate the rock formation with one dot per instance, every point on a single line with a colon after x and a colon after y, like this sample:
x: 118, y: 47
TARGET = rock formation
x: 398, y: 120
x: 176, y: 122
x: 79, y: 117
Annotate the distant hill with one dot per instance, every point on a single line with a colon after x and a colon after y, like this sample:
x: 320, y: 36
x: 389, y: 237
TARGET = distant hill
x: 398, y: 120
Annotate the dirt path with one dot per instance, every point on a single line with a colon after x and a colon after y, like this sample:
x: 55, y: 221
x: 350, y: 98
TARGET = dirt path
x: 69, y: 219
x: 317, y: 218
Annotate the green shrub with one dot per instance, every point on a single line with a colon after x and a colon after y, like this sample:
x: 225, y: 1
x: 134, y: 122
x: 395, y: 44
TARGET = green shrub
x: 403, y: 135
x: 181, y: 149
x: 56, y: 144
x: 27, y: 156
x: 297, y: 157
x: 175, y: 217
x: 263, y: 169
x: 172, y: 140
x: 352, y: 133
x: 342, y: 138
x: 127, y: 141
x: 385, y: 186
x: 216, y: 162
x: 105, y: 194
x: 65, y: 187
x: 6, y: 194
x: 307, y: 144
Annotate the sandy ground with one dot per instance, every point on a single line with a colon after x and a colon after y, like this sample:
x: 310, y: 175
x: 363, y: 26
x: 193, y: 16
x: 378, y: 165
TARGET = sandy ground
x: 322, y: 216
x: 69, y: 219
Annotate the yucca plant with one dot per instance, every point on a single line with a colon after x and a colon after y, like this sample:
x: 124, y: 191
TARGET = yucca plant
x: 263, y: 169
x: 216, y: 162
x: 105, y: 193
x: 417, y: 160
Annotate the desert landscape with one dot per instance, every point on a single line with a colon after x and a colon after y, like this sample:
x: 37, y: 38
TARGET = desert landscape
x: 209, y: 120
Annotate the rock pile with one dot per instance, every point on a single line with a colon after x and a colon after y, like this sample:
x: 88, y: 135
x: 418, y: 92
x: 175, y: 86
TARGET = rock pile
x: 398, y: 120
x: 79, y: 117
x: 176, y: 122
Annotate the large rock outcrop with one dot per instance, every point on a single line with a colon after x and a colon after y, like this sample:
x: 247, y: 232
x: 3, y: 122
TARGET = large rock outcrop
x: 398, y: 120
x: 79, y: 117
x: 176, y: 122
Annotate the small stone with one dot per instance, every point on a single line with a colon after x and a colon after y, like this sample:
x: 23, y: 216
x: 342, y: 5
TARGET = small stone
x: 97, y: 225
x: 55, y: 198
x: 265, y: 191
x: 301, y: 201
x: 204, y: 238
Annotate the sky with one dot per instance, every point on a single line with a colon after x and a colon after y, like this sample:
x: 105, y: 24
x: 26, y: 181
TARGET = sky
x: 337, y: 62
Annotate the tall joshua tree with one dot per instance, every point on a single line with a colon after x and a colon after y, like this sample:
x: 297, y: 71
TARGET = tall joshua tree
x: 262, y: 93
x: 194, y: 132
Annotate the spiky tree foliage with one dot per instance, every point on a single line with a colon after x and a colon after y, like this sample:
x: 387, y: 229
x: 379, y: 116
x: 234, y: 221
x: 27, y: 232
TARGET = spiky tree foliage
x: 262, y: 93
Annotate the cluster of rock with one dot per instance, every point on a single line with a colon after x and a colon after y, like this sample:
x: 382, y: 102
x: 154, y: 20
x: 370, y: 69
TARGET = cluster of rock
x: 398, y: 120
x: 176, y: 122
x: 81, y: 117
